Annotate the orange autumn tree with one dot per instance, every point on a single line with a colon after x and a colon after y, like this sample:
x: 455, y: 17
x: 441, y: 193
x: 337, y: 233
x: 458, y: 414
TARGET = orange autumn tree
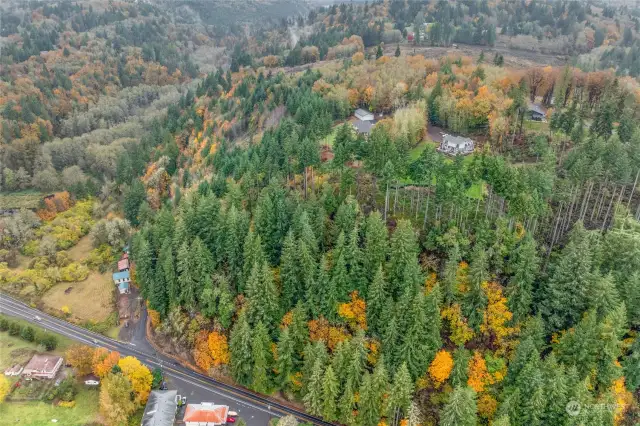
x: 441, y: 367
x: 104, y: 363
x: 219, y: 348
x: 58, y: 203
x: 354, y: 312
x: 139, y: 376
x: 320, y: 329
x: 623, y: 398
x: 201, y: 353
x: 479, y: 376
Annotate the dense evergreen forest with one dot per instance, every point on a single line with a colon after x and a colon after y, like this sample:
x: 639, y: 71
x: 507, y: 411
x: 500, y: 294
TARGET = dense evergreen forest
x: 318, y: 280
x: 370, y: 279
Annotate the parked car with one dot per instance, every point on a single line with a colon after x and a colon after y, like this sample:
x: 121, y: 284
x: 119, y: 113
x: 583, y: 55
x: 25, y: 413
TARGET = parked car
x: 231, y: 420
x: 232, y: 414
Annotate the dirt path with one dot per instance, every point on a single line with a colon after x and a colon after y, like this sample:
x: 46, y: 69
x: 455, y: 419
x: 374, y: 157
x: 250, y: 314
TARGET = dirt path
x: 512, y: 58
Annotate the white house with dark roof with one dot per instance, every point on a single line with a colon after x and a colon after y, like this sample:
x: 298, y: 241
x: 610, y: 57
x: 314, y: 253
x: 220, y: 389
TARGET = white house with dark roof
x: 456, y: 145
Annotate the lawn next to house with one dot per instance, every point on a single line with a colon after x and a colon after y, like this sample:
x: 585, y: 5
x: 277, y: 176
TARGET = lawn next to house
x: 35, y: 401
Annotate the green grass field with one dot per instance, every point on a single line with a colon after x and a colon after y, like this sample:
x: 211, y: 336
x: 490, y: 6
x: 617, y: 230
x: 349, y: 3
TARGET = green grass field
x: 414, y: 154
x: 21, y: 199
x: 38, y: 413
x: 537, y: 126
x: 8, y: 344
x: 328, y: 140
x: 14, y: 350
x: 477, y: 189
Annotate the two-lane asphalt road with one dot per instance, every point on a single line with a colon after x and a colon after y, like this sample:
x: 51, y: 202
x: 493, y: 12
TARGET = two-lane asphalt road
x: 255, y: 409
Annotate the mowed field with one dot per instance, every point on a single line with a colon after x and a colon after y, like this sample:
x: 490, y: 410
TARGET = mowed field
x: 38, y: 413
x: 88, y: 300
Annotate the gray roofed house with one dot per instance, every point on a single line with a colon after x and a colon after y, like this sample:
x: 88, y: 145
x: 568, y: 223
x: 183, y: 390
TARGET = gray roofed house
x: 455, y: 145
x: 363, y: 127
x: 364, y: 115
x: 161, y: 409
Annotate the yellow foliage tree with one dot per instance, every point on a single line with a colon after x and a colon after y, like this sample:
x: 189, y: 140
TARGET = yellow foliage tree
x: 441, y: 367
x: 460, y: 332
x: 116, y: 405
x: 5, y: 388
x: 357, y: 58
x: 139, y: 376
x: 154, y: 316
x: 80, y: 357
x: 487, y: 406
x: 623, y: 398
x: 496, y: 317
x: 271, y: 61
x: 219, y: 348
x: 354, y: 312
x: 367, y: 95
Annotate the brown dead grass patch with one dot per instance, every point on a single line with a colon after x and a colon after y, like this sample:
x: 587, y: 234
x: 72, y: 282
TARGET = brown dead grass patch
x: 81, y: 250
x: 89, y: 300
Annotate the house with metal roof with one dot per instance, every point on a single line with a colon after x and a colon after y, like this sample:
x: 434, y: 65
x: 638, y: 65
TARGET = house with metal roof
x: 363, y: 127
x: 122, y: 280
x: 161, y: 408
x: 455, y: 145
x: 364, y: 115
x: 123, y: 288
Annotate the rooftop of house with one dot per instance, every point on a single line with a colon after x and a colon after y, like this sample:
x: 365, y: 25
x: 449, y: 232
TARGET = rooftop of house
x: 536, y: 108
x: 161, y: 409
x: 12, y: 370
x: 123, y: 264
x: 363, y: 126
x: 206, y: 412
x: 362, y: 111
x: 43, y: 362
x: 120, y: 275
x: 456, y: 140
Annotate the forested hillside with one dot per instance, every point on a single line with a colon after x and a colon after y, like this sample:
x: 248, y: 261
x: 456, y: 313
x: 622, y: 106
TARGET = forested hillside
x: 369, y: 279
